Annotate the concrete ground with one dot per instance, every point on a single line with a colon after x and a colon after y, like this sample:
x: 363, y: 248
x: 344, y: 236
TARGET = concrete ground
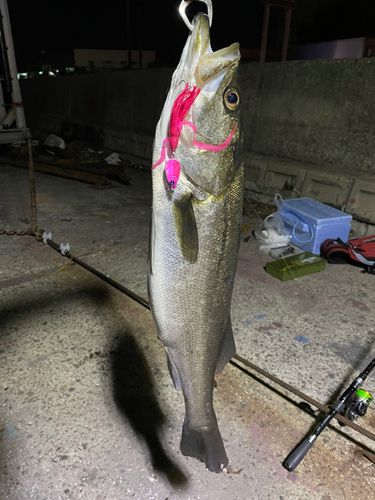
x: 87, y: 406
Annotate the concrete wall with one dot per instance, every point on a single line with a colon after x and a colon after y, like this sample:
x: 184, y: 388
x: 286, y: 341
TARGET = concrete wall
x: 308, y: 125
x: 317, y: 112
x: 127, y: 100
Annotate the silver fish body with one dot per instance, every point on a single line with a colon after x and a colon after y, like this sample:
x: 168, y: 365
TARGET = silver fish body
x: 194, y: 237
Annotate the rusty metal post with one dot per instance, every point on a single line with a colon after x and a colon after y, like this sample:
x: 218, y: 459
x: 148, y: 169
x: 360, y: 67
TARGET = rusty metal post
x: 263, y: 48
x: 128, y: 36
x: 140, y: 35
x: 34, y: 217
x: 288, y: 14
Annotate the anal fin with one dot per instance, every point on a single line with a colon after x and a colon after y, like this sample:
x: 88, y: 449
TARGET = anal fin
x: 228, y: 348
x: 151, y: 243
x: 173, y: 371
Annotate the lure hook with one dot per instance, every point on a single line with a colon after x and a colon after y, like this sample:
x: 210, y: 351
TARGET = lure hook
x: 182, y: 12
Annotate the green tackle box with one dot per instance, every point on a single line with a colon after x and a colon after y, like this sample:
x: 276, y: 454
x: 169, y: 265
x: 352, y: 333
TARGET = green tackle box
x: 296, y: 266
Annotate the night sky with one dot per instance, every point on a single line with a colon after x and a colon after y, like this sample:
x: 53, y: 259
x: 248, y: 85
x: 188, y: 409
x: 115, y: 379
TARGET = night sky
x: 59, y: 28
x: 87, y: 24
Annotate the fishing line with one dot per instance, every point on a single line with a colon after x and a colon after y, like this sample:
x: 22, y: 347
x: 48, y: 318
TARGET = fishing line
x: 251, y: 205
x: 272, y: 241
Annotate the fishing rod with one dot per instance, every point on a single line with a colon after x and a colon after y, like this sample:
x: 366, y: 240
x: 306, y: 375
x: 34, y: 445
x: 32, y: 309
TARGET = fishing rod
x: 354, y: 401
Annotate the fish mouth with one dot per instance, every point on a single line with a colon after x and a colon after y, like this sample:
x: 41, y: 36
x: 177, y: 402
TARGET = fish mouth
x: 210, y: 66
x: 200, y: 35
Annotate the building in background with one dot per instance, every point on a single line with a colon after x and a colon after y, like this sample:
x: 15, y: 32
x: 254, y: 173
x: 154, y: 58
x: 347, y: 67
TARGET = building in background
x: 350, y: 48
x: 104, y: 60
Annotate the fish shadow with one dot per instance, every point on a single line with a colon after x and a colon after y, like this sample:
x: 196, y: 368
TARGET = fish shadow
x: 135, y: 398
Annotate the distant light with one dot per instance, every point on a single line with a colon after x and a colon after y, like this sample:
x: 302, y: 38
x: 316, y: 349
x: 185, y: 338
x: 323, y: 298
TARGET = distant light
x: 41, y: 72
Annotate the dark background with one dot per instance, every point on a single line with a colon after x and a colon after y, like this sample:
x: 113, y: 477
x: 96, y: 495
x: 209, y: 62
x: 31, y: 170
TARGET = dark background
x: 58, y: 27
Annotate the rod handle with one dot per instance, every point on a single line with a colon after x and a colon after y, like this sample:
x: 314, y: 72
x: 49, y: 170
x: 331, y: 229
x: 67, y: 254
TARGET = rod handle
x: 298, y: 454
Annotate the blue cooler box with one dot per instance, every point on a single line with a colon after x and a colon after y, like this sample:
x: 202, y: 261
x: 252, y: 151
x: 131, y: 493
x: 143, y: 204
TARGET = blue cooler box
x: 310, y: 223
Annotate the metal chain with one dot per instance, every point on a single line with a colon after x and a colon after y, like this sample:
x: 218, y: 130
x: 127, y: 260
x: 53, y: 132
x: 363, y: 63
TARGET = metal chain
x: 33, y: 230
x: 29, y: 232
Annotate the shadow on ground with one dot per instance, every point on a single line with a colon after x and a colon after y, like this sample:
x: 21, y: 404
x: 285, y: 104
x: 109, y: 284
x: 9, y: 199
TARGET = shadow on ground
x: 135, y: 398
x: 132, y: 379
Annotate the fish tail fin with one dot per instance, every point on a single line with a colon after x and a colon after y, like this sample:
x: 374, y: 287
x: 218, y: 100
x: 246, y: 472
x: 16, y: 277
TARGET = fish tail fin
x: 204, y: 444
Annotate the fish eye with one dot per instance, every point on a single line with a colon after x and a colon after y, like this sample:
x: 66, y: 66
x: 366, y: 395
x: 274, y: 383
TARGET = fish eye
x: 232, y: 99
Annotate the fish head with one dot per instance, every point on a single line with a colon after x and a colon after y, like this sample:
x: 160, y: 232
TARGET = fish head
x: 209, y: 144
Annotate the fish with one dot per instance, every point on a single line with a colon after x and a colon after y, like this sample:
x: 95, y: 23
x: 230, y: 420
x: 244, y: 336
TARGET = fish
x: 197, y: 200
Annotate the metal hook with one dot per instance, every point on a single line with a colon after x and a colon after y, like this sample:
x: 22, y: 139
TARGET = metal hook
x: 182, y: 12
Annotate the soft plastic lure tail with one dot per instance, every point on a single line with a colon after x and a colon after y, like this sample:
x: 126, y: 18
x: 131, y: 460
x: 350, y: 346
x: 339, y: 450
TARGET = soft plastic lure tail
x: 180, y: 109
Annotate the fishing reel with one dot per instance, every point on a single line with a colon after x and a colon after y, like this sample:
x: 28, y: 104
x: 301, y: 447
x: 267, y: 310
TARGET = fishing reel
x: 357, y: 405
x: 353, y: 402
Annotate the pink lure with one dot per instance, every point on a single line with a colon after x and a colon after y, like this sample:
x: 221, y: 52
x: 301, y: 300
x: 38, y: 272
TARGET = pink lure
x: 180, y: 108
x: 172, y: 172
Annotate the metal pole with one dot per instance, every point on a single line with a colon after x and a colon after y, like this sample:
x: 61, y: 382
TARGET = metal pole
x: 7, y: 85
x: 128, y: 34
x: 16, y: 91
x: 34, y: 219
x: 288, y: 15
x: 140, y: 34
x: 263, y: 48
x: 102, y: 276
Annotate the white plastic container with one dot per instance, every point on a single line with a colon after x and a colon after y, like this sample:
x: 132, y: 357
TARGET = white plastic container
x: 310, y: 222
x: 54, y: 141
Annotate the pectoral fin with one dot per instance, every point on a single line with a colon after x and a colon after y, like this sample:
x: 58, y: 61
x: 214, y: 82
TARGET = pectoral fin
x: 228, y: 348
x: 186, y: 228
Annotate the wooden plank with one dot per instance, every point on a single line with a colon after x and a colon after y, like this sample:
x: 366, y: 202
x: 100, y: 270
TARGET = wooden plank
x: 59, y: 171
